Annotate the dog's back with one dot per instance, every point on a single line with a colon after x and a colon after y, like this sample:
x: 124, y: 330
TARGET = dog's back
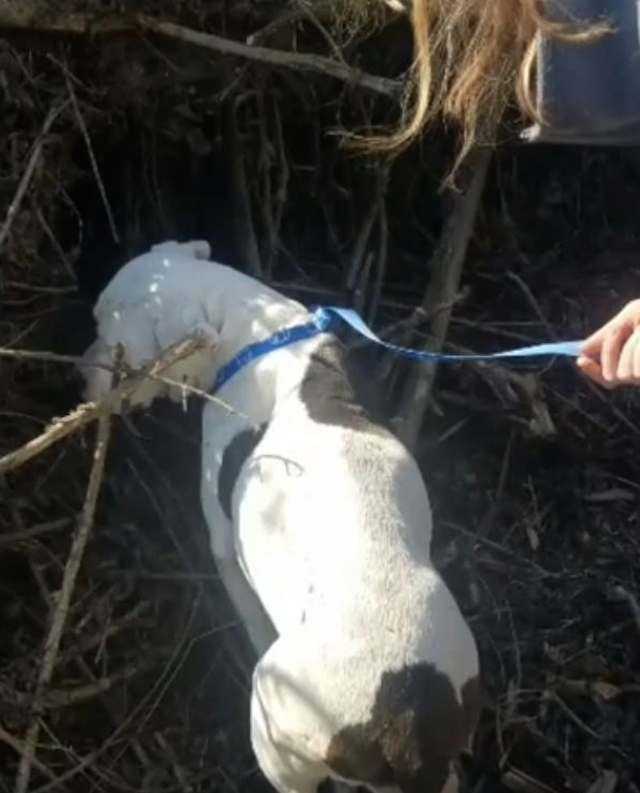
x: 333, y: 526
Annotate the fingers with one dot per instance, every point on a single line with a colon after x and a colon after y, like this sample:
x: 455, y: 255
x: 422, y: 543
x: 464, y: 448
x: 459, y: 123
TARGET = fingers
x: 611, y: 355
x: 619, y: 362
x: 629, y: 365
x: 629, y: 316
x: 601, y: 353
x: 592, y: 370
x: 592, y: 347
x: 612, y: 346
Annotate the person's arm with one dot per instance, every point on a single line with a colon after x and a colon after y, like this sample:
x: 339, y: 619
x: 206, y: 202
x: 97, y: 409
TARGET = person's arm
x: 611, y: 355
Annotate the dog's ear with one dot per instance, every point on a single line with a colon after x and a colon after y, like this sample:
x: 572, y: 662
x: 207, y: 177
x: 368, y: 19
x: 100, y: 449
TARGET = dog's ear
x: 199, y: 249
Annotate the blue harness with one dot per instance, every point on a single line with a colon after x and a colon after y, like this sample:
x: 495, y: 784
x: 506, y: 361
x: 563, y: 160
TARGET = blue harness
x: 323, y: 319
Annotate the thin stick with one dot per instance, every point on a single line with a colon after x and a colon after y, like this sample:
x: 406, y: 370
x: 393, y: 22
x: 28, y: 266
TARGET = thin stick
x: 18, y: 747
x: 66, y: 697
x: 502, y: 549
x: 90, y: 411
x: 45, y: 290
x: 29, y: 171
x: 316, y: 22
x: 553, y: 697
x: 383, y: 252
x: 13, y: 537
x: 245, y: 232
x: 528, y: 294
x: 632, y: 601
x: 294, y: 60
x: 446, y: 270
x: 191, y: 389
x: 360, y: 245
x: 50, y: 357
x: 61, y: 612
x: 63, y: 258
x: 290, y: 17
x: 92, y: 157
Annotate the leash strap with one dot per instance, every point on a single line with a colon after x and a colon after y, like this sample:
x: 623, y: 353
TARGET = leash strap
x: 323, y: 318
x: 283, y: 338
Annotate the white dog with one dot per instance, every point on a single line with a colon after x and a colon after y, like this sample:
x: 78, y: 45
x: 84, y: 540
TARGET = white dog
x: 320, y: 526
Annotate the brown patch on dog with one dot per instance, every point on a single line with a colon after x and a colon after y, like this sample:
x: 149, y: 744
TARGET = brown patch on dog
x: 335, y: 391
x: 417, y: 727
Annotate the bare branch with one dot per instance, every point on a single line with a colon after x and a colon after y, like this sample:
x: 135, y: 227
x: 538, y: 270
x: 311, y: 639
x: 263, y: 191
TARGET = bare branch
x: 293, y: 60
x: 14, y: 537
x: 18, y: 747
x: 14, y: 16
x: 444, y: 279
x: 92, y: 157
x: 63, y: 603
x: 23, y: 186
x: 90, y: 411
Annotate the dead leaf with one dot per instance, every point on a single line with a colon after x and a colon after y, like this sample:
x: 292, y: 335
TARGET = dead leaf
x: 532, y: 536
x: 607, y: 691
x: 605, y: 783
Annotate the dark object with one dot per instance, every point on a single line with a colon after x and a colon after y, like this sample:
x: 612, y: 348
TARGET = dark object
x: 233, y: 458
x: 590, y: 93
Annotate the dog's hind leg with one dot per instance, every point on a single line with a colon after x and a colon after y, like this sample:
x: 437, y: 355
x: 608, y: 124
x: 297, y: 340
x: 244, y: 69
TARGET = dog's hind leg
x: 286, y: 727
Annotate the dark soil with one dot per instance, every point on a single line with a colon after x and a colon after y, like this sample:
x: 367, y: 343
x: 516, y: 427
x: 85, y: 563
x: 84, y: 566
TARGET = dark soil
x: 534, y: 474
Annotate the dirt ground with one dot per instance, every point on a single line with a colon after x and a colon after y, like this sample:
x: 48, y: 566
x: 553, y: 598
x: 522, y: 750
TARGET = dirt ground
x: 117, y: 139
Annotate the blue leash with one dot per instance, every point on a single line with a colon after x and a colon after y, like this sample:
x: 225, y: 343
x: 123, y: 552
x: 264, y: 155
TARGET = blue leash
x: 324, y: 318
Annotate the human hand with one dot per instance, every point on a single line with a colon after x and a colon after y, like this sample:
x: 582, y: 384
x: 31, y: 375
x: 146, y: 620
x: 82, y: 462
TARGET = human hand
x: 611, y: 355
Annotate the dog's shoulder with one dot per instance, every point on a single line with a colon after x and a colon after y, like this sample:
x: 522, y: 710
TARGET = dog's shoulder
x: 339, y: 388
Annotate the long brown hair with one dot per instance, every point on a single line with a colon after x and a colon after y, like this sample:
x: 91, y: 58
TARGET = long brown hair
x: 472, y: 58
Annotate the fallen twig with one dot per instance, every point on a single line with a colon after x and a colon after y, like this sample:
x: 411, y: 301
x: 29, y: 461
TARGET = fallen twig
x: 529, y: 296
x: 136, y: 617
x: 178, y: 770
x: 551, y: 696
x: 381, y: 263
x: 14, y: 537
x: 49, y: 357
x: 199, y: 392
x: 244, y: 227
x: 90, y: 411
x: 502, y: 549
x: 61, y: 698
x: 607, y: 782
x: 631, y: 599
x: 58, y: 622
x: 288, y: 18
x: 18, y: 747
x: 28, y: 172
x: 92, y: 157
x: 362, y: 240
x: 519, y: 782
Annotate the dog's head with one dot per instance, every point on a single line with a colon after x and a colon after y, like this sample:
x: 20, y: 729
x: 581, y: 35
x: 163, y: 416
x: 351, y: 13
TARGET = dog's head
x: 156, y: 300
